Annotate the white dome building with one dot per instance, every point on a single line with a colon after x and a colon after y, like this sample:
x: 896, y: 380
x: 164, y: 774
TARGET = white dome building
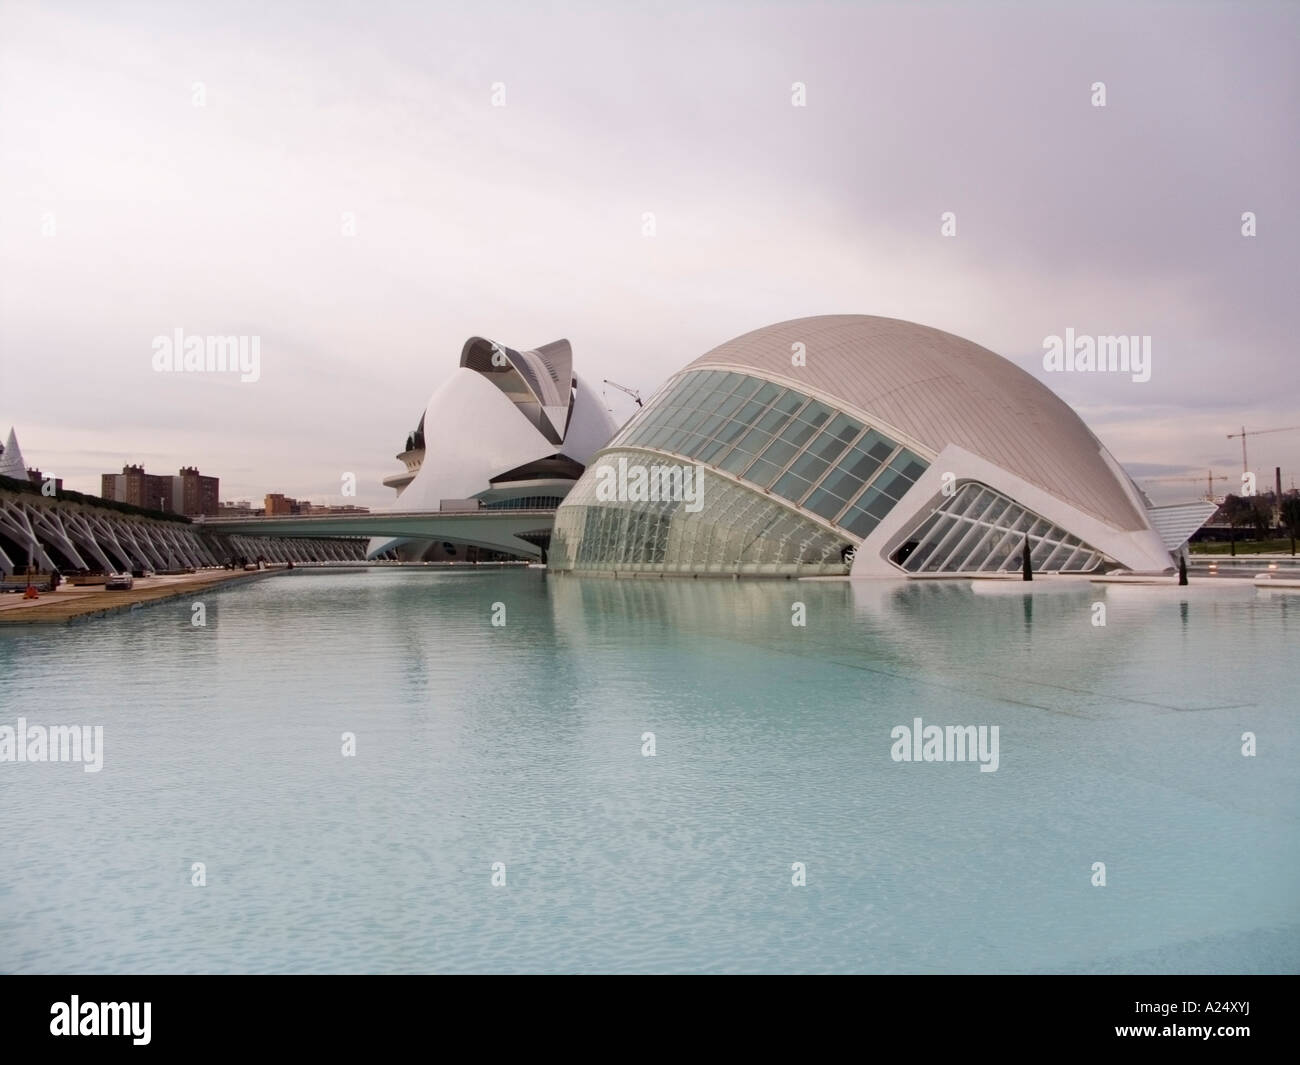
x: 507, y: 430
x: 895, y: 449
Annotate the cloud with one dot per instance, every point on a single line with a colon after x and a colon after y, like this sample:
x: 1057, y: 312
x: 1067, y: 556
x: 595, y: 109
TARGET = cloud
x: 524, y: 222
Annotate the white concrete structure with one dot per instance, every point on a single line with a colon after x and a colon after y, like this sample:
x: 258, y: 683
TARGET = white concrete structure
x: 848, y: 443
x: 54, y: 533
x: 508, y: 429
x: 11, y: 459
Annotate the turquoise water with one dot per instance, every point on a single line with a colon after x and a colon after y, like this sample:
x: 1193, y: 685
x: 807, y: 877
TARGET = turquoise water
x: 522, y: 744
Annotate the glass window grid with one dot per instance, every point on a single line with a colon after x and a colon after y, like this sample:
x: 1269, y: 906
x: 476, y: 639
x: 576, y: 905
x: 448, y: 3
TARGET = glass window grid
x: 957, y: 538
x: 739, y: 530
x: 723, y: 423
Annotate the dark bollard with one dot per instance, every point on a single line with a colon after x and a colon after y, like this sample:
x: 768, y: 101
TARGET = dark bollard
x: 1182, y: 571
x: 1026, y: 570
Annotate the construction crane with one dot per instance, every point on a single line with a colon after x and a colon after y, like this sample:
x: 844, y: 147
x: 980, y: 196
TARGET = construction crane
x: 1210, y: 478
x: 1256, y: 432
x: 623, y: 388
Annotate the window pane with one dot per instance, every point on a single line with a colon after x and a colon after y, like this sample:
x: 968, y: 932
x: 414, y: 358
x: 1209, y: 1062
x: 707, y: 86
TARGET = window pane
x: 772, y: 421
x: 693, y: 444
x: 762, y: 472
x: 789, y: 402
x: 730, y: 432
x: 827, y: 447
x: 797, y: 433
x: 876, y: 446
x: 825, y: 503
x: 843, y: 428
x: 710, y: 424
x: 736, y: 461
x: 711, y: 401
x: 895, y: 484
x: 809, y: 466
x: 728, y: 382
x: 678, y: 440
x: 815, y: 413
x: 709, y: 450
x: 780, y: 452
x: 842, y: 483
x: 754, y: 441
x: 690, y: 395
x: 696, y: 419
x: 860, y: 522
x: 859, y: 464
x: 791, y: 487
x: 876, y: 503
x: 730, y: 405
x: 911, y: 466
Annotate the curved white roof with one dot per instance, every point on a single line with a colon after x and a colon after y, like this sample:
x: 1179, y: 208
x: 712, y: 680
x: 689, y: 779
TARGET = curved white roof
x: 499, y: 410
x: 939, y: 389
x: 538, y: 381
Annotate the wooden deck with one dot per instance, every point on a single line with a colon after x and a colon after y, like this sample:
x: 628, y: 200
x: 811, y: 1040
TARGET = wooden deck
x: 70, y: 603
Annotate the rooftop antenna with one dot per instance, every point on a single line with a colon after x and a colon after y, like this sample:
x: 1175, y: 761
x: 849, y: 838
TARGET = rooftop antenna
x: 623, y: 388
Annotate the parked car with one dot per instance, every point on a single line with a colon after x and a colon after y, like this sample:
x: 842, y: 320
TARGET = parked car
x: 120, y: 582
x: 142, y: 572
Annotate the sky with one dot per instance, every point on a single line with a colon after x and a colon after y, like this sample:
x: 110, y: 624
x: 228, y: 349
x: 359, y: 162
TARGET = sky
x: 363, y: 186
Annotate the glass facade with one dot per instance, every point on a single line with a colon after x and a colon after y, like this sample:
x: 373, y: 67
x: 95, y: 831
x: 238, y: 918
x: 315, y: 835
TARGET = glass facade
x: 781, y: 440
x: 734, y: 530
x: 525, y: 503
x: 784, y: 449
x: 978, y: 530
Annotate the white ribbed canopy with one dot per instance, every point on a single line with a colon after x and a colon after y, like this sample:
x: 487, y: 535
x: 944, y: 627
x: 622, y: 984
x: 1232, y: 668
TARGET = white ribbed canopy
x: 939, y: 389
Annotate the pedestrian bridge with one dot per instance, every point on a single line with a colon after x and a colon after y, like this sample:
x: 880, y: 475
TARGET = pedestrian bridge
x: 513, y: 531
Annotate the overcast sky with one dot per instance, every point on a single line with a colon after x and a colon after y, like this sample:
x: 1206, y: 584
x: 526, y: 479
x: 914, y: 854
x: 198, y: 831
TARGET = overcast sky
x: 126, y: 211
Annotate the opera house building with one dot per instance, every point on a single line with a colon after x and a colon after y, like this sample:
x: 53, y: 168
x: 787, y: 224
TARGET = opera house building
x: 508, y: 430
x: 834, y: 445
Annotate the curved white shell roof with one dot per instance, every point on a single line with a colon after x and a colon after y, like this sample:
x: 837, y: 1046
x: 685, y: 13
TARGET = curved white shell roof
x: 501, y: 409
x: 939, y: 389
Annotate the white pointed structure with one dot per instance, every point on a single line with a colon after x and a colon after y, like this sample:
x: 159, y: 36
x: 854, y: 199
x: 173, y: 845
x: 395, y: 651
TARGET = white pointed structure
x: 11, y: 459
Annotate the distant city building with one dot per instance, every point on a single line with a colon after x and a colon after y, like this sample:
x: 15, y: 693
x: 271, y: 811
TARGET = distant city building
x: 278, y: 504
x: 36, y: 477
x: 189, y: 492
x: 241, y: 509
x: 138, y: 488
x: 196, y: 494
x: 330, y: 508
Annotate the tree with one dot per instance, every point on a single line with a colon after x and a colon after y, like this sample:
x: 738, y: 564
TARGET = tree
x: 1239, y: 512
x: 1291, y: 518
x: 1262, y: 515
